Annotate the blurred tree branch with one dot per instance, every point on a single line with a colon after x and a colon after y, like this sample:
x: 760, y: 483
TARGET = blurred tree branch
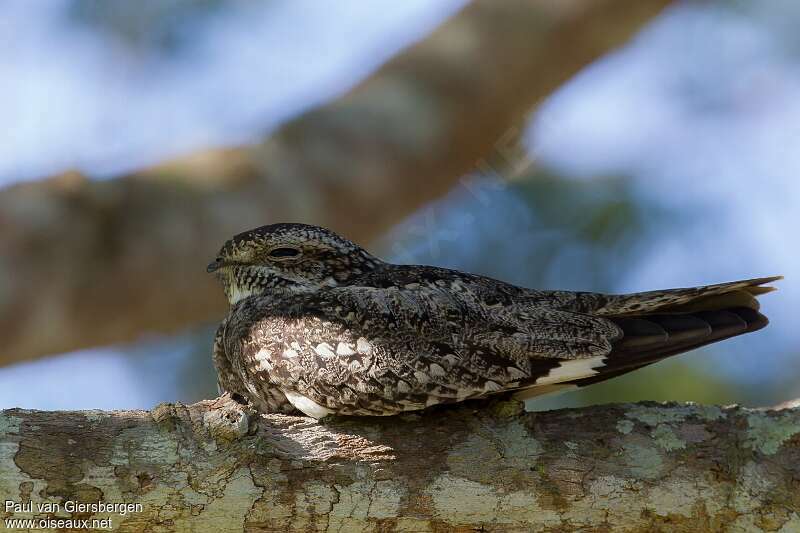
x: 86, y: 263
x: 209, y: 466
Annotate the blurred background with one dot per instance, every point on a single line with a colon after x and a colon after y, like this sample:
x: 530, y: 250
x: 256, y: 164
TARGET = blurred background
x: 670, y: 160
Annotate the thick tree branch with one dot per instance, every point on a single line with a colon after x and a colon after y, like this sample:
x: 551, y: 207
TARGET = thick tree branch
x: 108, y: 260
x: 637, y: 467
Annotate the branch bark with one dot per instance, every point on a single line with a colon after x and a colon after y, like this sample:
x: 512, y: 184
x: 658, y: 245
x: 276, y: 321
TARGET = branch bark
x: 637, y: 467
x: 108, y: 260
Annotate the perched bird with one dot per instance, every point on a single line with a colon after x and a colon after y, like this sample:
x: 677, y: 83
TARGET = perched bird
x: 318, y: 324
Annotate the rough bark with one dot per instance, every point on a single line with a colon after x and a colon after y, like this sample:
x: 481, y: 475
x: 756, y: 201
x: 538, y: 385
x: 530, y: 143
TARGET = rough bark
x: 108, y: 260
x: 210, y: 467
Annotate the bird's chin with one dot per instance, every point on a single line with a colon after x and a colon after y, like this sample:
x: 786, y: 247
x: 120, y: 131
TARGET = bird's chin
x: 266, y: 285
x: 235, y: 292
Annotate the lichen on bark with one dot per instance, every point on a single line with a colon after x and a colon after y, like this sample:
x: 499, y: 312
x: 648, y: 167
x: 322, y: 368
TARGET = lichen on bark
x: 637, y: 467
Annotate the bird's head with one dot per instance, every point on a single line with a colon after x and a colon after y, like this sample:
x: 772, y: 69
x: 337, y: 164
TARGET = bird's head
x: 288, y: 257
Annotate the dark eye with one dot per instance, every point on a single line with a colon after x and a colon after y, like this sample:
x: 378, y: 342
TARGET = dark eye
x: 284, y: 252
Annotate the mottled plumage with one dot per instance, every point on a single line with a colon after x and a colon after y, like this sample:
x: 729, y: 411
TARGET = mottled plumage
x: 320, y: 325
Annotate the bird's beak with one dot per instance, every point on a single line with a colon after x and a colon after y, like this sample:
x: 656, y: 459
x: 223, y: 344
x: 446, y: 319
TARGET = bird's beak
x: 214, y: 265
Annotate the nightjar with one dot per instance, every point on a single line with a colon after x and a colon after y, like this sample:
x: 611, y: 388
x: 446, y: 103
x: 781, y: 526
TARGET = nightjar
x: 320, y: 325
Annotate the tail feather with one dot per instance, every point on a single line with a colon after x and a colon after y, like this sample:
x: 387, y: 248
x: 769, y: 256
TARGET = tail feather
x: 758, y: 291
x: 640, y: 347
x: 659, y: 324
x: 688, y: 300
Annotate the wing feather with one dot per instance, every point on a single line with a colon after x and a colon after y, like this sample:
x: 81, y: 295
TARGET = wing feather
x: 365, y: 350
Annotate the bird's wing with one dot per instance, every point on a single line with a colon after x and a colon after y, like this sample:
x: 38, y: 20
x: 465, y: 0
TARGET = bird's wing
x: 366, y: 350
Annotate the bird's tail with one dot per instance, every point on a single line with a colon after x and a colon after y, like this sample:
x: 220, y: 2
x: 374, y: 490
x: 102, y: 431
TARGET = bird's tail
x: 659, y: 324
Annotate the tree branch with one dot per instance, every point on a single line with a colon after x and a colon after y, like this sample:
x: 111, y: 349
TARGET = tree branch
x: 108, y: 260
x: 635, y: 467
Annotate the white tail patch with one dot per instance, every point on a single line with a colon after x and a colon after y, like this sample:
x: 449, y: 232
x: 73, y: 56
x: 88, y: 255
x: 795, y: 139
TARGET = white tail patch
x: 306, y: 405
x: 572, y: 369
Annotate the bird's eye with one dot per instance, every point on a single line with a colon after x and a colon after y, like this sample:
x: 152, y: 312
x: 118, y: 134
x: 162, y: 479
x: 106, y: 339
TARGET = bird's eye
x: 284, y: 252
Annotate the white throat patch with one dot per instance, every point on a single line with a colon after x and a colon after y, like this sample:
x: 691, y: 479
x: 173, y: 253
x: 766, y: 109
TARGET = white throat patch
x: 237, y: 294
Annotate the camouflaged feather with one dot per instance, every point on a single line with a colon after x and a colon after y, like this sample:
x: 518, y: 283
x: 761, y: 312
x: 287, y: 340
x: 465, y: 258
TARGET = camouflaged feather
x: 328, y: 328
